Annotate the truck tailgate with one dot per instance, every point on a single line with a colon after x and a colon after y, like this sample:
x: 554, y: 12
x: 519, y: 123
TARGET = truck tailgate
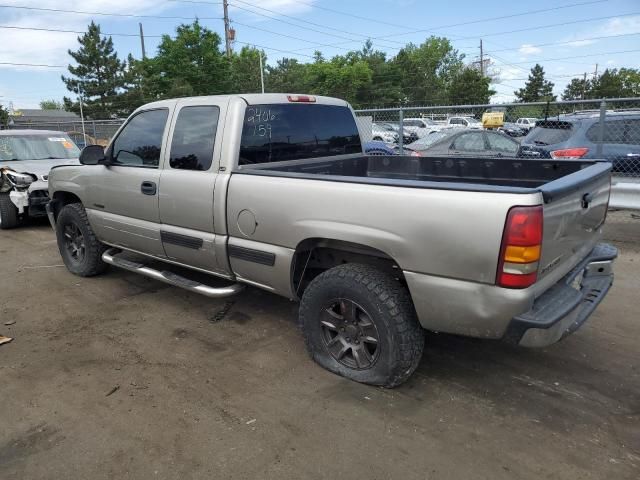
x: 574, y: 210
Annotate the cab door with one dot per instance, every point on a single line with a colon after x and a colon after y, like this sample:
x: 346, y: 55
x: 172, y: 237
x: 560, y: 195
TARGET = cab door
x: 187, y: 183
x: 125, y: 192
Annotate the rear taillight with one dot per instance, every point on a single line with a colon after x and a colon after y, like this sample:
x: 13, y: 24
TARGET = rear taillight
x: 569, y: 153
x: 521, y: 248
x: 301, y: 98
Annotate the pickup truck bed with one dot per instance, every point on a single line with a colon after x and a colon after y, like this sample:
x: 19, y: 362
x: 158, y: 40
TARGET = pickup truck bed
x: 456, y: 173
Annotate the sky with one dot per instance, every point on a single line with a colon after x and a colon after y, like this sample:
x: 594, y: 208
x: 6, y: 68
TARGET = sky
x: 567, y: 37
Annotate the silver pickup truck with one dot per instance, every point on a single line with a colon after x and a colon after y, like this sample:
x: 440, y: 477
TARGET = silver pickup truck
x: 274, y: 191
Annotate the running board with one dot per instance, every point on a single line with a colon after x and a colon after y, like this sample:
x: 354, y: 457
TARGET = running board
x: 169, y: 277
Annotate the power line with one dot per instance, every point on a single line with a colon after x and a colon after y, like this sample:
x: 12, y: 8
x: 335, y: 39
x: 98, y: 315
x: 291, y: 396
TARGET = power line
x: 83, y: 12
x: 431, y: 29
x: 576, y: 56
x: 568, y: 42
x: 288, y: 36
x: 304, y: 21
x: 33, y: 65
x: 38, y: 29
x: 502, y: 17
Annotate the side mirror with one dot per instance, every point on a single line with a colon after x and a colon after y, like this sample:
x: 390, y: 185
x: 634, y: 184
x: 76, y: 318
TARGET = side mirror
x: 92, y: 155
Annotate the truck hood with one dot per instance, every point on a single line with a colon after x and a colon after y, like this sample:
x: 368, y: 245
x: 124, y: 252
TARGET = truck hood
x: 40, y: 168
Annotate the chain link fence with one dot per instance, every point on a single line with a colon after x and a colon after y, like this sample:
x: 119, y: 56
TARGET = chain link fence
x: 604, y: 129
x: 97, y: 132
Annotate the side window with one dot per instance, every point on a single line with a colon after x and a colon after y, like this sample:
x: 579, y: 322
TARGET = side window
x: 469, y: 142
x: 614, y: 131
x: 633, y: 131
x: 454, y: 121
x: 500, y: 143
x: 194, y: 137
x: 140, y: 141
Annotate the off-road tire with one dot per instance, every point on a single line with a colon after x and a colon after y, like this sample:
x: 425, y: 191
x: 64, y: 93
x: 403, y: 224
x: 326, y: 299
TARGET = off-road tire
x: 389, y: 307
x: 91, y: 263
x: 8, y: 212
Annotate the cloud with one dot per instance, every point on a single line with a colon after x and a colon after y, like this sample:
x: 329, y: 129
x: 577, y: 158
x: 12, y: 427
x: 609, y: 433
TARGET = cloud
x: 528, y: 49
x: 613, y: 26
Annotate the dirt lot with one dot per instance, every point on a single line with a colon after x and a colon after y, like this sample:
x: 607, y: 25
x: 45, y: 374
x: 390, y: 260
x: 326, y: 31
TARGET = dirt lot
x: 203, y: 394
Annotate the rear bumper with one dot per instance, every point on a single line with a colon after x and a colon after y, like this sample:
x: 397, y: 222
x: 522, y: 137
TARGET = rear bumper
x: 563, y: 308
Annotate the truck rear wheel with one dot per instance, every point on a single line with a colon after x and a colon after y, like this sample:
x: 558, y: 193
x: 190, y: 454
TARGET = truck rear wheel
x: 8, y: 212
x: 80, y: 249
x: 360, y: 323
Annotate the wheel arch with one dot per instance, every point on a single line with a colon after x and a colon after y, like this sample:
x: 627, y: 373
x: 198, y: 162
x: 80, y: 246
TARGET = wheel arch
x: 60, y: 199
x: 315, y: 255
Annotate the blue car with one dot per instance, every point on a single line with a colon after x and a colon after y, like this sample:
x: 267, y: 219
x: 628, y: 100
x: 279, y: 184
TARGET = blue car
x: 376, y: 147
x: 577, y: 135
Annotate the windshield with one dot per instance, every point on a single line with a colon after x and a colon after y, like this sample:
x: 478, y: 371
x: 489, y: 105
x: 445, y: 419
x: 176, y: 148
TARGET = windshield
x: 550, y: 132
x: 472, y: 120
x: 37, y: 147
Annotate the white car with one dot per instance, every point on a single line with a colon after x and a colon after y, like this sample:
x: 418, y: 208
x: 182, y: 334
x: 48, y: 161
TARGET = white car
x: 527, y: 123
x: 384, y: 133
x: 26, y: 157
x: 421, y: 126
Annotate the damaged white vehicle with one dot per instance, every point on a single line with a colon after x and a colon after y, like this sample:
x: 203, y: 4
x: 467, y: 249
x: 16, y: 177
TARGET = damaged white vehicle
x: 26, y: 157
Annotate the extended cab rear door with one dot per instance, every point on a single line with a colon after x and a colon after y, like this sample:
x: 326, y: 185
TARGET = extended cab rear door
x: 191, y: 165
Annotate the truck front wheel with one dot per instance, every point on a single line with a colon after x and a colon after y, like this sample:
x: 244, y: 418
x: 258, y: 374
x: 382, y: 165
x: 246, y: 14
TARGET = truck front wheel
x: 81, y: 251
x: 360, y: 323
x: 8, y: 212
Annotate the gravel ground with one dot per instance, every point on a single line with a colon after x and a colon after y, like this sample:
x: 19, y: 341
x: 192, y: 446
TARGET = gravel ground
x: 124, y: 377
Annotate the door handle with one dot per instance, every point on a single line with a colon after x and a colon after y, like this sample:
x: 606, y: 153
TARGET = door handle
x: 148, y: 188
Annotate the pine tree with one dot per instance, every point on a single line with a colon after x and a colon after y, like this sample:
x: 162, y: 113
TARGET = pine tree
x: 98, y: 77
x: 537, y: 89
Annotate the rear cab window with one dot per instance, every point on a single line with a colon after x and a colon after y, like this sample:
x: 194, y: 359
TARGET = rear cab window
x: 281, y: 132
x: 551, y: 132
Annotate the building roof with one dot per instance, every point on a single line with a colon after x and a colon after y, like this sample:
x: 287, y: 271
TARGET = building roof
x: 39, y: 113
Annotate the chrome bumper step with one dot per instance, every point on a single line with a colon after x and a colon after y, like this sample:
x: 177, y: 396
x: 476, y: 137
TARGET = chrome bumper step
x: 110, y: 257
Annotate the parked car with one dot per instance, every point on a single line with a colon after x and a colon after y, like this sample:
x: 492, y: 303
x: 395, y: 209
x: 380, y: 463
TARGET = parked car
x: 456, y: 141
x: 512, y: 129
x: 384, y: 133
x: 420, y: 126
x: 274, y: 191
x: 26, y: 156
x: 526, y: 122
x: 379, y: 148
x: 575, y: 136
x: 458, y: 122
x: 407, y: 135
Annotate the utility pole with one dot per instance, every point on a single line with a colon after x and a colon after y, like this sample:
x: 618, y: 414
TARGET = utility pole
x: 227, y: 39
x: 144, y: 53
x: 481, y: 59
x: 595, y: 75
x: 584, y: 84
x: 261, y: 72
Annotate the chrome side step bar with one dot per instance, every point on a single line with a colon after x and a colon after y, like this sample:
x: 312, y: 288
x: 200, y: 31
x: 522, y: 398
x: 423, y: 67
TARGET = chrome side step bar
x: 168, y: 277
